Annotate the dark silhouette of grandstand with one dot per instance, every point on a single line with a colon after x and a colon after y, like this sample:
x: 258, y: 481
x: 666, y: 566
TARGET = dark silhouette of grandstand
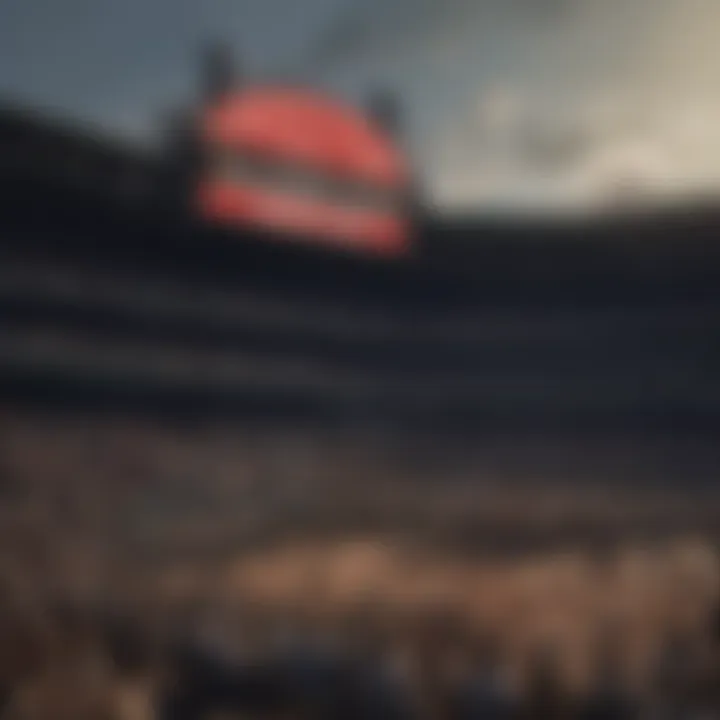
x: 107, y: 295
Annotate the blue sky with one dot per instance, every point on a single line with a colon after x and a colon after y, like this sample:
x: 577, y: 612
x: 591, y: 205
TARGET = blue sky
x: 537, y: 103
x: 121, y: 61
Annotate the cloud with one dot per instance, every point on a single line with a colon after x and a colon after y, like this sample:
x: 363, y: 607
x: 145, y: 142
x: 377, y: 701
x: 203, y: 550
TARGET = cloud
x: 512, y: 155
x: 613, y: 97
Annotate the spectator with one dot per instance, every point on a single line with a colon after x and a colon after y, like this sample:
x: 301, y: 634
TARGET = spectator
x: 545, y: 697
x: 609, y: 698
x: 485, y: 692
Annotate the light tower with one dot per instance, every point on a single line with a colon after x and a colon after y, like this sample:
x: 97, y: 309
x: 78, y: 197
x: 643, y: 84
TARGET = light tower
x: 383, y: 106
x: 219, y: 71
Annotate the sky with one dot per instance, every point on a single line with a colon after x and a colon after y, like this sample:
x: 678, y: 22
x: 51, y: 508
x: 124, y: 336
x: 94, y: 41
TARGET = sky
x: 556, y: 105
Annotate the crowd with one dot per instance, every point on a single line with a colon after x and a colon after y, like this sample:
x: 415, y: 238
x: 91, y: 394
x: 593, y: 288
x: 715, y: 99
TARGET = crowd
x: 88, y: 506
x: 67, y: 662
x: 443, y: 672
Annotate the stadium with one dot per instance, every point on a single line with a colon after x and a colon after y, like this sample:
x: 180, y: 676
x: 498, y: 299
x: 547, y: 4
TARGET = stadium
x: 253, y: 369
